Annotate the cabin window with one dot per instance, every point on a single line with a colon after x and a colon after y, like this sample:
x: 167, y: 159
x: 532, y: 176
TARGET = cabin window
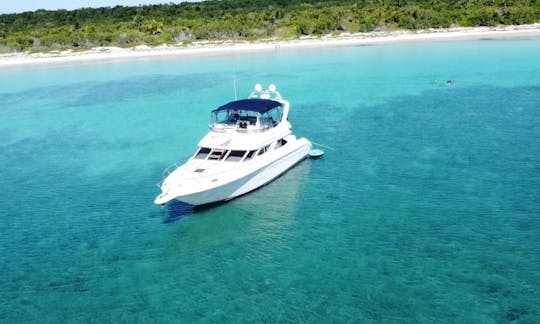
x: 249, y: 156
x: 263, y: 150
x: 280, y: 143
x: 217, y: 155
x: 235, y: 156
x: 202, y: 153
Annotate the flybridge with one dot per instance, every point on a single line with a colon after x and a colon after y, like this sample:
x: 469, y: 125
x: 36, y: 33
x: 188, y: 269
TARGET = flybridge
x: 263, y: 110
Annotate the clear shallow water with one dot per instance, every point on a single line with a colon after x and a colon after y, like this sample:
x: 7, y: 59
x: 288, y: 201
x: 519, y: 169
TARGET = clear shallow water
x: 427, y: 209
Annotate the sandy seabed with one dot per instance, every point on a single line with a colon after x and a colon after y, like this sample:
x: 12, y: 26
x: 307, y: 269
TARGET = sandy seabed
x: 104, y: 54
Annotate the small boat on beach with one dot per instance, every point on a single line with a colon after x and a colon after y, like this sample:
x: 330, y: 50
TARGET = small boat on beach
x: 249, y: 144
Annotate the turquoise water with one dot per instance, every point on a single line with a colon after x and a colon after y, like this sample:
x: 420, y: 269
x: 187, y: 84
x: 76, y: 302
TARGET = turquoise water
x: 426, y: 210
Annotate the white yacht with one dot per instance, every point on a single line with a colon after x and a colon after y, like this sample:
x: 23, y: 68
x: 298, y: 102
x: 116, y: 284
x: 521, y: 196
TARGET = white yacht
x: 249, y: 144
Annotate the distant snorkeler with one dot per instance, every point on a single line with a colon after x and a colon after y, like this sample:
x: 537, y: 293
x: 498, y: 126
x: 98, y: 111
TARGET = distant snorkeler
x: 448, y: 82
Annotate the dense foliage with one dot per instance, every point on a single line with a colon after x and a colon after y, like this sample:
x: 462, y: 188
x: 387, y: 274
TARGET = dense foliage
x: 246, y: 19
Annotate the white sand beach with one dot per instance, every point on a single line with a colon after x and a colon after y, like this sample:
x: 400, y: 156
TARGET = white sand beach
x: 227, y: 47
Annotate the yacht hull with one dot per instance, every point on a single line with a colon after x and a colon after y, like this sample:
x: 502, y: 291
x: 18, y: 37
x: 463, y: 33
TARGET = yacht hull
x: 249, y: 182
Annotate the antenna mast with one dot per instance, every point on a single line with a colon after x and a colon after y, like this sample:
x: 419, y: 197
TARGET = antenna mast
x: 234, y: 82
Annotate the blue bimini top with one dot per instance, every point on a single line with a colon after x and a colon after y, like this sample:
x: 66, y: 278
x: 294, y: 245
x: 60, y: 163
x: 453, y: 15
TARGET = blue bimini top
x: 260, y: 106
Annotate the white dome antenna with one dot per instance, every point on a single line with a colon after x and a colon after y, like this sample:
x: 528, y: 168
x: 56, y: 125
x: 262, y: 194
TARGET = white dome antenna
x: 272, y: 88
x: 258, y: 87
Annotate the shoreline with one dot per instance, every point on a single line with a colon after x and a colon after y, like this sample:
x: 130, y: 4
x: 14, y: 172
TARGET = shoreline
x: 107, y: 54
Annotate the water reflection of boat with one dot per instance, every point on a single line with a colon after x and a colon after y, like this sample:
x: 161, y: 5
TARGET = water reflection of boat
x: 249, y: 144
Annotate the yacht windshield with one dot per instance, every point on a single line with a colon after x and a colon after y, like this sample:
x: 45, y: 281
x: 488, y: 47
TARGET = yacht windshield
x: 252, y: 111
x: 233, y: 116
x: 272, y: 117
x: 202, y: 153
x: 223, y: 117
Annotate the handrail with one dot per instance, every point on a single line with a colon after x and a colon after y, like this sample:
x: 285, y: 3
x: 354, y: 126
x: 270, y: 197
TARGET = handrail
x: 168, y: 171
x: 249, y: 129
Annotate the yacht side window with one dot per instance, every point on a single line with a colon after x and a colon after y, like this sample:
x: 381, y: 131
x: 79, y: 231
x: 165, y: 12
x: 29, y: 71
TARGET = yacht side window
x: 202, y: 153
x: 235, y: 156
x: 280, y: 143
x: 249, y: 156
x: 263, y: 150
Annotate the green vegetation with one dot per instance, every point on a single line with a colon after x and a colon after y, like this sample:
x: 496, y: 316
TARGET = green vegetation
x: 44, y: 30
